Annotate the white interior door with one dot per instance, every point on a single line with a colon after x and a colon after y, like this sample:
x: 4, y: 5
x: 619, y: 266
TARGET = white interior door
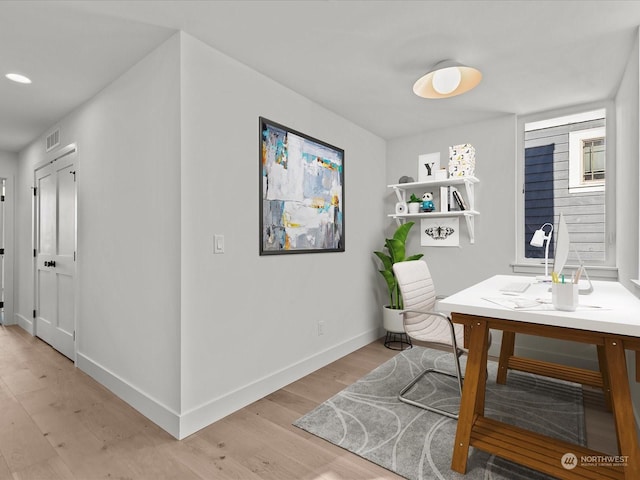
x: 55, y: 253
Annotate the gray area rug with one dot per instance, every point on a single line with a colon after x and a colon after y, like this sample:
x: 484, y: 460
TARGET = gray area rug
x: 367, y: 419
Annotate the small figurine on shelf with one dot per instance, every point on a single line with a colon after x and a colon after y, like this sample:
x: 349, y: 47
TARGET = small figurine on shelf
x: 427, y: 202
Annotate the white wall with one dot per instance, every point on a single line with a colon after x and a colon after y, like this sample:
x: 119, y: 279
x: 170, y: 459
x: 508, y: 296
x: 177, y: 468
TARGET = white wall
x: 9, y: 171
x: 168, y: 157
x: 454, y: 268
x: 627, y: 125
x: 249, y: 323
x: 628, y: 154
x: 128, y: 325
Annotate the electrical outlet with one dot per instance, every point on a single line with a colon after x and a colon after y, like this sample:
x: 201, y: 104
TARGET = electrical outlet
x: 321, y: 327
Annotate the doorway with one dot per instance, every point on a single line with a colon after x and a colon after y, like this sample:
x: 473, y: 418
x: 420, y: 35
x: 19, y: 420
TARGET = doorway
x: 55, y: 251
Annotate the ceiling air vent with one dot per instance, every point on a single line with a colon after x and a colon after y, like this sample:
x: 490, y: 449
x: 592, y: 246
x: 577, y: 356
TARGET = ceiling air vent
x: 53, y: 140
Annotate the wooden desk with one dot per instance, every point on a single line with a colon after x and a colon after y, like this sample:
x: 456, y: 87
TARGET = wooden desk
x: 612, y: 328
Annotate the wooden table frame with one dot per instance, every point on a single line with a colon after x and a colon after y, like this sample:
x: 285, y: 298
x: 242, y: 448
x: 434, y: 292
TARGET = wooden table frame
x: 527, y: 448
x: 509, y: 361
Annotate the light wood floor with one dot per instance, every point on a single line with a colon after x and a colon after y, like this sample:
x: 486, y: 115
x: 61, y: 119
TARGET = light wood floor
x: 58, y: 423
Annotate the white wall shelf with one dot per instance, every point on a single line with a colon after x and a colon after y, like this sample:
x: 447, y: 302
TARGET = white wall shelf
x: 401, y: 190
x: 452, y: 213
x: 435, y: 183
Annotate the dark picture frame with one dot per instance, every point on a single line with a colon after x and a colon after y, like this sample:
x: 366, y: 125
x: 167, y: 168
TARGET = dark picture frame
x: 301, y: 192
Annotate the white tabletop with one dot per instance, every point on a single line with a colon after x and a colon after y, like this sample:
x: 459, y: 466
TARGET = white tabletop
x: 611, y: 308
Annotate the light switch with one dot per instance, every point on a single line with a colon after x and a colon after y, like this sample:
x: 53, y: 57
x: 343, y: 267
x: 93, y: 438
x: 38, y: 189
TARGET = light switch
x: 218, y: 244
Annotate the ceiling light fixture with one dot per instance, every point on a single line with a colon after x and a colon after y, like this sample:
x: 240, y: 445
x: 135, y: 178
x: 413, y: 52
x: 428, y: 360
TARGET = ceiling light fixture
x: 16, y: 77
x: 447, y: 79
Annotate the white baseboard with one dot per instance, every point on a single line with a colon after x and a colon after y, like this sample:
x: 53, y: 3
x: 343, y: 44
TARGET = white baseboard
x: 185, y: 424
x: 24, y: 322
x: 155, y: 411
x: 218, y: 408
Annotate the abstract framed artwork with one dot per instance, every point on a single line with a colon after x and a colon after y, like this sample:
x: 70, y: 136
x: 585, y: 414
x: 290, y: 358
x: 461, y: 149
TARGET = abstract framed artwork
x: 301, y: 192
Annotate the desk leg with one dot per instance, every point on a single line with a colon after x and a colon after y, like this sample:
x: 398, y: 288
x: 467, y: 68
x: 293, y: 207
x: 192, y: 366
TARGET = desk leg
x: 473, y: 392
x: 621, y: 404
x: 507, y: 348
x: 602, y: 362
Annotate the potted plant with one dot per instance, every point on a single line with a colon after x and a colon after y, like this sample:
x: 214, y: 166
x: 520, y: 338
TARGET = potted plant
x: 414, y: 204
x: 396, y: 248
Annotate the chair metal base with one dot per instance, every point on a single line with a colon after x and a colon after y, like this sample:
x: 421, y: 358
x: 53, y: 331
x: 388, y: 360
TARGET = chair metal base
x: 397, y: 341
x: 422, y: 405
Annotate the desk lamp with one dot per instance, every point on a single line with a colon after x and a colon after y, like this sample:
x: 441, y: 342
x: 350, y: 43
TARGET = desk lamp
x: 538, y: 240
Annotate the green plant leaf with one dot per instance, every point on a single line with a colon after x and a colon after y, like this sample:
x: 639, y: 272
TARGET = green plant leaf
x: 402, y: 232
x: 392, y: 284
x: 388, y: 276
x: 396, y: 249
x: 387, y: 263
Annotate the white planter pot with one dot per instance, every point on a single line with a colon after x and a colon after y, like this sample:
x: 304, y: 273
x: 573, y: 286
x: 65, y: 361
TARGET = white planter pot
x: 392, y: 320
x: 414, y: 207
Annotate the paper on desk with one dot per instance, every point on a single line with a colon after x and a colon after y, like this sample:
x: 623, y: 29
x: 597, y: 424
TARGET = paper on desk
x: 522, y: 303
x: 519, y: 303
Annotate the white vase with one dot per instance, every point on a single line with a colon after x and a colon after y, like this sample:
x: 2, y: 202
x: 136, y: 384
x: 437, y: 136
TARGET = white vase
x: 414, y: 207
x: 392, y: 320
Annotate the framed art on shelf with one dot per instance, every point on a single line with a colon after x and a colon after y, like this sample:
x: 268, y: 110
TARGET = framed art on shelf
x: 301, y: 192
x: 428, y: 165
x: 440, y: 232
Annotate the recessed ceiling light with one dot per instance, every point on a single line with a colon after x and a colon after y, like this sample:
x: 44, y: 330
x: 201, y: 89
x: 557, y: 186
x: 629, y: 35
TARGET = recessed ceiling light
x: 16, y: 77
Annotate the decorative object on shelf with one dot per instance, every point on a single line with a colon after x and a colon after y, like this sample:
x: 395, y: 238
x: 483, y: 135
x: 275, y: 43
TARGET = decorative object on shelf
x: 462, y: 160
x: 445, y: 205
x: 396, y: 252
x: 405, y: 179
x: 428, y: 165
x: 414, y: 204
x: 444, y: 199
x: 401, y: 208
x: 440, y: 232
x: 457, y: 197
x: 441, y: 174
x: 427, y: 202
x: 301, y: 192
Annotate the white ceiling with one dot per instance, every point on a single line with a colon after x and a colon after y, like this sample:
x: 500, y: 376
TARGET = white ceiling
x: 356, y: 58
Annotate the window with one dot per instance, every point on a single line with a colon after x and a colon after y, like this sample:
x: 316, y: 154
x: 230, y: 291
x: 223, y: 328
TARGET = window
x: 563, y: 168
x: 593, y: 160
x: 587, y: 160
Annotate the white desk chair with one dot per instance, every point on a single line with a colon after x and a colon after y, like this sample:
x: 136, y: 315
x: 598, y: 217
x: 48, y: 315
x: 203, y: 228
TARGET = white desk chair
x: 422, y: 323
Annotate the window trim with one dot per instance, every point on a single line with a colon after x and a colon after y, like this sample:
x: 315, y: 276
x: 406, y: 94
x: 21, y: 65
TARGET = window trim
x: 610, y: 178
